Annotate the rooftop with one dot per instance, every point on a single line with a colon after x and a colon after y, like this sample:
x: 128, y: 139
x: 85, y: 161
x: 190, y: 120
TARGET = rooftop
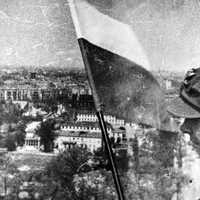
x: 32, y: 126
x: 80, y: 134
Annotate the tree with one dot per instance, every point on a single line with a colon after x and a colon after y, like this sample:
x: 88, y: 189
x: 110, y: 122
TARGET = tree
x: 58, y: 177
x: 48, y: 105
x: 13, y: 137
x: 8, y: 170
x: 10, y: 143
x: 19, y: 133
x: 47, y: 134
x: 120, y: 155
x: 152, y: 174
x: 55, y: 181
x: 20, y: 136
x: 67, y: 183
x: 10, y: 112
x: 61, y: 179
x: 135, y: 148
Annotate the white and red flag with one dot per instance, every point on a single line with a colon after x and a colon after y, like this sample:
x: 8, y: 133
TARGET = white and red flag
x: 117, y: 67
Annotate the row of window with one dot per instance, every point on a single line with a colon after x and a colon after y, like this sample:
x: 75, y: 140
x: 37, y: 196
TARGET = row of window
x: 81, y: 128
x: 88, y: 140
x: 90, y: 146
x: 32, y: 142
x: 94, y: 119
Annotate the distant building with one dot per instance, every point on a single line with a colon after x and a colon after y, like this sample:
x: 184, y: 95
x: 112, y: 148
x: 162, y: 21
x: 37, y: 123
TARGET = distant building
x: 90, y: 127
x: 67, y: 139
x: 131, y: 130
x: 87, y: 135
x: 32, y: 141
x: 91, y: 117
x: 33, y: 112
x: 3, y: 151
x: 168, y: 84
x: 119, y: 134
x: 82, y: 101
x: 84, y: 134
x: 28, y: 93
x: 32, y: 75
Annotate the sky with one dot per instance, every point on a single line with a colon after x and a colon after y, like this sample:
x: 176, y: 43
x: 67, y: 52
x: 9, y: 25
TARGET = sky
x: 40, y: 32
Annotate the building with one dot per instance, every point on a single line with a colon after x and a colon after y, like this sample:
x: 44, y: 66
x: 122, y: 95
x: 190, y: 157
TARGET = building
x: 67, y: 139
x: 168, y: 84
x: 82, y: 101
x: 29, y: 93
x: 33, y: 112
x: 84, y: 134
x: 91, y: 117
x: 84, y: 126
x: 32, y: 141
x: 87, y: 135
x: 119, y: 134
x: 131, y: 130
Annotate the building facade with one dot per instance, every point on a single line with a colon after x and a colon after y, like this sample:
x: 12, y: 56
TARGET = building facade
x: 67, y: 139
x: 90, y: 127
x: 32, y: 141
x: 33, y: 94
x: 93, y: 118
x: 87, y: 135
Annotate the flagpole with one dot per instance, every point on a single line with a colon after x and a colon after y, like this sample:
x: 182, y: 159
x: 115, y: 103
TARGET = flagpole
x: 98, y: 105
x: 102, y: 124
x: 111, y: 159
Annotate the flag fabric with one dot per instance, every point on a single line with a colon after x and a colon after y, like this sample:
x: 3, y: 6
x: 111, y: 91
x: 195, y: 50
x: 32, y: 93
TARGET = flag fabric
x: 119, y: 67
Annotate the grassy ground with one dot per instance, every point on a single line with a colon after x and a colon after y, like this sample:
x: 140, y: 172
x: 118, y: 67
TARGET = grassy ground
x: 24, y: 162
x: 35, y: 161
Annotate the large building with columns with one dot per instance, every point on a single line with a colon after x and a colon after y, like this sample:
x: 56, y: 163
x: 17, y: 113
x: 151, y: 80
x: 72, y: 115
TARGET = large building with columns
x: 32, y: 141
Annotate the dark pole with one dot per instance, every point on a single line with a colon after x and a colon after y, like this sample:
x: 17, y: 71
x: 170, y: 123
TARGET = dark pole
x: 102, y: 123
x: 96, y: 101
x: 110, y: 154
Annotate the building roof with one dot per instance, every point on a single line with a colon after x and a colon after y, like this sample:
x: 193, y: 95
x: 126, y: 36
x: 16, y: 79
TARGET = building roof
x: 32, y: 126
x: 91, y: 112
x: 80, y: 134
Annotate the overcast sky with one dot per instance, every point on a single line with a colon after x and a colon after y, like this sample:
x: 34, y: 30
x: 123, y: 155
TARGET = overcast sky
x: 40, y: 32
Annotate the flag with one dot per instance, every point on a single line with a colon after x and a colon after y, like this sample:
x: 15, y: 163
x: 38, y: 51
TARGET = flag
x: 118, y: 68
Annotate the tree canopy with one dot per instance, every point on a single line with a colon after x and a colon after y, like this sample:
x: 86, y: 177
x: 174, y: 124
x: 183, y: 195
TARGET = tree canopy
x: 47, y: 134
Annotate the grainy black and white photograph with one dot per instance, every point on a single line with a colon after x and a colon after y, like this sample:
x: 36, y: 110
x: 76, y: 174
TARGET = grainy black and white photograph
x: 99, y: 99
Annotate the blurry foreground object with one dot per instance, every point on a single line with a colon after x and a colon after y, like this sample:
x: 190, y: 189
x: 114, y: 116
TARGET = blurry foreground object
x: 187, y: 105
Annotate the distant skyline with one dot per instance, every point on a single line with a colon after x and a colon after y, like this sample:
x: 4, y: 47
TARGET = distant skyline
x: 40, y: 32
